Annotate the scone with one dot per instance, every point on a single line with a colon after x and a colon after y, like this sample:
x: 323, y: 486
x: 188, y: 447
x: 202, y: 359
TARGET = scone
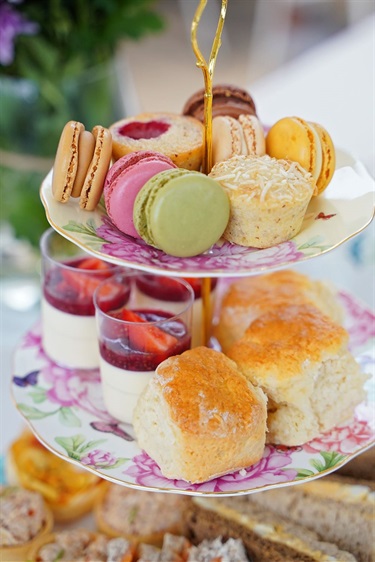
x: 24, y: 519
x: 268, y: 198
x: 140, y: 516
x: 248, y: 298
x: 199, y: 417
x: 179, y: 137
x: 300, y: 359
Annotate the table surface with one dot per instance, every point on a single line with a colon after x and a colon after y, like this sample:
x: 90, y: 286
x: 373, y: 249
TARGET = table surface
x: 332, y: 84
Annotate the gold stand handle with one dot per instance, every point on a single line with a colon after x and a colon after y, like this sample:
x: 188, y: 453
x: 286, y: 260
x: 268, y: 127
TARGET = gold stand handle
x: 206, y: 310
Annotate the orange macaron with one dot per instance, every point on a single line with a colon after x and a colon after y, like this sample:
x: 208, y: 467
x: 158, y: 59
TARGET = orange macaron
x: 81, y: 164
x: 307, y: 143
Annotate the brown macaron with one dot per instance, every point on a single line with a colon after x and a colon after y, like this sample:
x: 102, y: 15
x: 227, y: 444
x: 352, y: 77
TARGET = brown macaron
x: 66, y: 161
x: 226, y: 100
x: 93, y: 185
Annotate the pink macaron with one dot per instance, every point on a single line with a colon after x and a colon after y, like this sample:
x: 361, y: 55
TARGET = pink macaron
x: 125, y: 179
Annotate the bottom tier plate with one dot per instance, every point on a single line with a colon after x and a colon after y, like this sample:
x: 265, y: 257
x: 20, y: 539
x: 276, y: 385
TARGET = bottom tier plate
x: 65, y: 410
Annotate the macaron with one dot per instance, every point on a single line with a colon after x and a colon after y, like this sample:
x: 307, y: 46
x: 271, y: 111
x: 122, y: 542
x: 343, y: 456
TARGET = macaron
x: 227, y: 99
x: 233, y: 137
x: 81, y: 164
x: 86, y: 146
x: 66, y: 161
x: 123, y: 182
x: 307, y: 143
x: 93, y: 185
x: 181, y: 212
x: 329, y: 157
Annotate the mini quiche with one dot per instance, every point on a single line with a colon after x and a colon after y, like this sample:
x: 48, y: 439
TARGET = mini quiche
x: 68, y: 490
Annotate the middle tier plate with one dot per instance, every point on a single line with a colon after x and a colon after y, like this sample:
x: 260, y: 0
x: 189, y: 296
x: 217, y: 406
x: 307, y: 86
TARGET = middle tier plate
x: 65, y: 410
x: 344, y: 210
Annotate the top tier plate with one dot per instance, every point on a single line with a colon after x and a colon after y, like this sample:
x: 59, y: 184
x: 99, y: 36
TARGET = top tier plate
x: 344, y: 210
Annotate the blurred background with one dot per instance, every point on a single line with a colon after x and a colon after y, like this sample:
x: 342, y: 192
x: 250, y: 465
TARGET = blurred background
x: 98, y: 61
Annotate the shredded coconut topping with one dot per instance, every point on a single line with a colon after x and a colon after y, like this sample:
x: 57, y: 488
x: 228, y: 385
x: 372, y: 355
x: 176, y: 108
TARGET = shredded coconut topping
x: 263, y: 178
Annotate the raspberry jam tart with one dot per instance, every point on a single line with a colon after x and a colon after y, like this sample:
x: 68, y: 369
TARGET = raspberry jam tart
x: 156, y: 288
x: 135, y: 339
x: 68, y: 312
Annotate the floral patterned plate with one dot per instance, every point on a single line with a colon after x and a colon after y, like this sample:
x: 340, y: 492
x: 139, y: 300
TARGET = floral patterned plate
x: 345, y: 209
x: 64, y: 408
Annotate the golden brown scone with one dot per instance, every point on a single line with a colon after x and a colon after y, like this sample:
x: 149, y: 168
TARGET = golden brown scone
x: 248, y: 298
x: 199, y: 417
x: 300, y: 359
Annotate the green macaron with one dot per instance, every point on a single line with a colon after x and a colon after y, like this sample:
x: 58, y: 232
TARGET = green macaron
x: 181, y: 212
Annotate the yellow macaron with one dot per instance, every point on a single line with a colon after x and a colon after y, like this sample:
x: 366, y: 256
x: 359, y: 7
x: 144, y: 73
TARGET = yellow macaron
x: 307, y: 143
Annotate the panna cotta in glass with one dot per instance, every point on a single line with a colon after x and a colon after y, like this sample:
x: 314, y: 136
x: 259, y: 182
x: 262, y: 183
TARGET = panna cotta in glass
x: 156, y: 288
x: 134, y: 339
x: 69, y: 279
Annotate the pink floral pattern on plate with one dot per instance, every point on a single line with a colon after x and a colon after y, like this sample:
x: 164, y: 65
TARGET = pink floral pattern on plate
x: 64, y: 408
x: 347, y: 212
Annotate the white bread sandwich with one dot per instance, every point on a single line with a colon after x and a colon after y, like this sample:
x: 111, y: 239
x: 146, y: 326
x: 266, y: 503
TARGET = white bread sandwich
x: 266, y: 536
x: 340, y: 510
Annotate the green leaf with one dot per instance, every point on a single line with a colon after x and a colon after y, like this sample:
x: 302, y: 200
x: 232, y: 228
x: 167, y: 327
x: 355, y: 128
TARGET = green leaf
x: 33, y: 413
x: 89, y: 228
x: 38, y: 395
x: 331, y: 458
x: 71, y: 444
x: 119, y: 462
x: 312, y: 243
x: 89, y: 445
x: 304, y: 472
x: 68, y: 418
x: 318, y: 465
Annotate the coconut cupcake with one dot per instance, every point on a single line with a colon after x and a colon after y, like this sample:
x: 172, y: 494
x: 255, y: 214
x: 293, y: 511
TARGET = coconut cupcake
x: 268, y: 199
x: 24, y: 518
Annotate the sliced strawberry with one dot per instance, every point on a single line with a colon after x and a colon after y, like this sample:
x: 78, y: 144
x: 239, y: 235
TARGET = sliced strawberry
x: 161, y: 287
x: 196, y: 285
x: 147, y: 337
x: 113, y: 295
x: 83, y: 283
x: 93, y: 263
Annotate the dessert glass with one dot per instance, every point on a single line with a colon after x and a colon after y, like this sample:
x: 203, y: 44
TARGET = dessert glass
x: 69, y: 279
x: 134, y: 337
x: 154, y: 288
